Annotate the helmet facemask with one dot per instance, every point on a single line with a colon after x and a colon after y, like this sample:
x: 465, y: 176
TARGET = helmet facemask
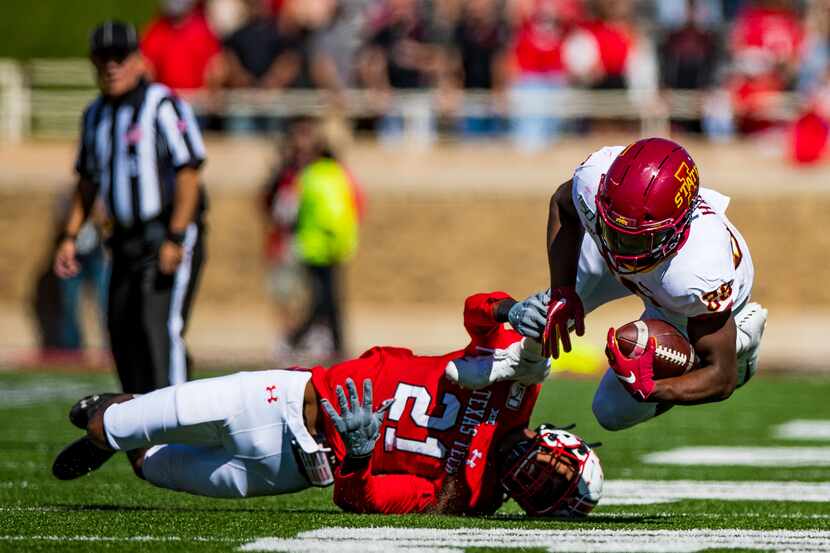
x: 545, y: 474
x: 630, y: 246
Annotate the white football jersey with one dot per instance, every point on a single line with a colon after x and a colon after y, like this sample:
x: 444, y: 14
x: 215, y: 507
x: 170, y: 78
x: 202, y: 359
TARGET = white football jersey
x: 710, y: 273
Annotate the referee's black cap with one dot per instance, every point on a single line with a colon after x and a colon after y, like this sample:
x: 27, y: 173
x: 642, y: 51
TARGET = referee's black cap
x: 113, y: 39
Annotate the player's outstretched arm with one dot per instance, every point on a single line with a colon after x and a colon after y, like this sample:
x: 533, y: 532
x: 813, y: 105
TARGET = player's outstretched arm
x: 713, y: 337
x: 527, y: 317
x: 521, y: 361
x: 357, y: 423
x: 564, y: 240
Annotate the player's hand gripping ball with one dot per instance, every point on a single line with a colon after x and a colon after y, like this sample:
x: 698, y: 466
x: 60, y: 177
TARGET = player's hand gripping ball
x: 638, y: 362
x: 635, y: 373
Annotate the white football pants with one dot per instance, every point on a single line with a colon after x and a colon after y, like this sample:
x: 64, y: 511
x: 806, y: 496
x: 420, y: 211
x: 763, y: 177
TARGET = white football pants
x: 228, y: 436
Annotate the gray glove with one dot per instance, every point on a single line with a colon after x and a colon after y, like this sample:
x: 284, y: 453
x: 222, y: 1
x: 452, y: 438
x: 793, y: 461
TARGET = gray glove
x: 358, y: 425
x: 528, y: 317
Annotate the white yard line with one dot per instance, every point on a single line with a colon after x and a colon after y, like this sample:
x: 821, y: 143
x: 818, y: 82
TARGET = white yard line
x: 45, y: 389
x: 421, y: 540
x: 117, y: 539
x: 802, y: 429
x: 643, y: 492
x: 777, y: 457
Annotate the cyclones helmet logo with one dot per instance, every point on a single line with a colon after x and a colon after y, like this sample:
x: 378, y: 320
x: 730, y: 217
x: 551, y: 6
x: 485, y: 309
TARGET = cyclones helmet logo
x: 688, y: 178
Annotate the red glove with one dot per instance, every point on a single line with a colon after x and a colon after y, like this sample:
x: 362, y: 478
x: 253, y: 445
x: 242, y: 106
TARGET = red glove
x: 564, y: 306
x: 635, y: 373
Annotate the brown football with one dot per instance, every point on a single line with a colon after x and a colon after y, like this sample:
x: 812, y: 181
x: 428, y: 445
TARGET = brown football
x: 675, y: 356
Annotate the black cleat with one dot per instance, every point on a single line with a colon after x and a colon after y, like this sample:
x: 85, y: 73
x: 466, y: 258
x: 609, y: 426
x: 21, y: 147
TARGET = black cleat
x: 85, y: 408
x: 79, y: 458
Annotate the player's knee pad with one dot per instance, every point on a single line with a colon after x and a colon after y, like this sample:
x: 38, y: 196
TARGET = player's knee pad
x: 155, y: 466
x: 606, y: 415
x: 208, y: 472
x: 615, y: 409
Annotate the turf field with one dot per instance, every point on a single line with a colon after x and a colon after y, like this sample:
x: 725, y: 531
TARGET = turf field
x: 757, y: 498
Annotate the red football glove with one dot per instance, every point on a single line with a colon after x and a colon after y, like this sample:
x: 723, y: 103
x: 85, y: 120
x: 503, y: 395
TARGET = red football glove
x: 564, y: 306
x: 635, y: 373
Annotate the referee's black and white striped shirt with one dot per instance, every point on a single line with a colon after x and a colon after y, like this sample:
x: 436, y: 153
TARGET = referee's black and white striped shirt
x: 131, y: 149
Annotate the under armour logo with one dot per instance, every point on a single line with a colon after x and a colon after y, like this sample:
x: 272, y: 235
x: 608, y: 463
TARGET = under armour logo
x: 271, y: 396
x: 474, y: 456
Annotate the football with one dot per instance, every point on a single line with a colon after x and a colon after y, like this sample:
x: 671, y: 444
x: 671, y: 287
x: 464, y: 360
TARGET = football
x: 675, y: 356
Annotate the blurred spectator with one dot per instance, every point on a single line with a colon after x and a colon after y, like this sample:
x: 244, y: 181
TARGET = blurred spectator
x: 57, y: 302
x: 815, y: 66
x: 766, y: 44
x: 313, y: 207
x: 477, y: 61
x: 809, y: 137
x: 687, y: 55
x: 399, y: 55
x: 287, y: 281
x: 340, y: 41
x: 180, y: 48
x: 810, y: 134
x: 673, y: 14
x: 538, y: 72
x: 608, y: 40
x: 252, y: 53
x: 276, y: 51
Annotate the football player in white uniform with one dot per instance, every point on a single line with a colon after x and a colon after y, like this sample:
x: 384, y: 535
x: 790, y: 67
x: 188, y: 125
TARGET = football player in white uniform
x: 634, y: 220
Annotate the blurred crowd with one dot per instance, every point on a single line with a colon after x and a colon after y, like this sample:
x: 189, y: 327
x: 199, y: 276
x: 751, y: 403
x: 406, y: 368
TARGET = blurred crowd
x: 739, y: 53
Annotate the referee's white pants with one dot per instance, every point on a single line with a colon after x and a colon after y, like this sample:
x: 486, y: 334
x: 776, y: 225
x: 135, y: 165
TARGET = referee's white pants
x: 228, y: 436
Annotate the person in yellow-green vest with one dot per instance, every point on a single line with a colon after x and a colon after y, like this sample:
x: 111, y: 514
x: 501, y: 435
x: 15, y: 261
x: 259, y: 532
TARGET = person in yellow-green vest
x: 328, y: 218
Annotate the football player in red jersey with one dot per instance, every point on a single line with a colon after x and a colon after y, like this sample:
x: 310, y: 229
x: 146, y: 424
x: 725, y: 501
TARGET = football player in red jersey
x: 415, y: 442
x: 635, y: 220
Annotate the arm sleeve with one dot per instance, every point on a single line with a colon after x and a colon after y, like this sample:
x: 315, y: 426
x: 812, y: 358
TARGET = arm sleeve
x: 479, y: 314
x: 181, y: 133
x: 363, y: 492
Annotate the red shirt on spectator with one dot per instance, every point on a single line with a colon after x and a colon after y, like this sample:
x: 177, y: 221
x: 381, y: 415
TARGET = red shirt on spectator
x: 538, y: 53
x: 614, y: 43
x: 180, y: 53
x: 776, y: 32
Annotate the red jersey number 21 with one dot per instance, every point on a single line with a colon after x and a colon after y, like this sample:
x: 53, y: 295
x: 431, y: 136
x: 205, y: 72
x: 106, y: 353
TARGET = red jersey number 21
x: 430, y: 446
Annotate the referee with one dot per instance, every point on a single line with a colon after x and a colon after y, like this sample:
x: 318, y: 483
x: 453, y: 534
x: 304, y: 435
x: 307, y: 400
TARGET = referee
x: 140, y: 153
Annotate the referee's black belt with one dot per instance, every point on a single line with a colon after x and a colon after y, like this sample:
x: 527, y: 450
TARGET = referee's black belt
x: 138, y: 240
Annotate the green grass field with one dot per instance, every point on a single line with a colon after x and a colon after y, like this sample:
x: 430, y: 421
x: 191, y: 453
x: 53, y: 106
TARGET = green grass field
x: 112, y: 510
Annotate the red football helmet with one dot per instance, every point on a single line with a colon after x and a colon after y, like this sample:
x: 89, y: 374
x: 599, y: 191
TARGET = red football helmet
x: 645, y: 203
x: 552, y: 472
